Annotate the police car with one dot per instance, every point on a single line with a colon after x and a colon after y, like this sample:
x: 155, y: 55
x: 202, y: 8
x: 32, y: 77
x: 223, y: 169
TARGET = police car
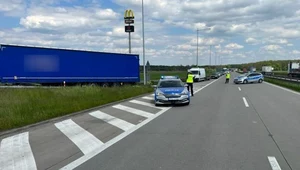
x: 249, y: 78
x: 171, y: 90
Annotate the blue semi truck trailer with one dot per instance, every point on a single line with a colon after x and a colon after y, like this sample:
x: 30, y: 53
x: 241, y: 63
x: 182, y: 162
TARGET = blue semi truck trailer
x: 52, y: 66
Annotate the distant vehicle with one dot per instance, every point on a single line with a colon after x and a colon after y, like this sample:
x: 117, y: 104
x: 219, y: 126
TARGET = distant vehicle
x: 267, y: 70
x: 199, y: 73
x: 249, y: 78
x: 252, y: 69
x: 215, y: 76
x: 293, y: 69
x: 52, y: 66
x: 171, y: 90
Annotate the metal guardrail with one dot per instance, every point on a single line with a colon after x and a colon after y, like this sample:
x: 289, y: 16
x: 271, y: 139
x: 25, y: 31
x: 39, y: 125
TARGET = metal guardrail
x: 295, y: 80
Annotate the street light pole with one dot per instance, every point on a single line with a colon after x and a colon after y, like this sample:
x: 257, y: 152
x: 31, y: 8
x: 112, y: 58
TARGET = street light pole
x: 210, y: 55
x: 197, y: 47
x: 143, y: 42
x: 215, y: 58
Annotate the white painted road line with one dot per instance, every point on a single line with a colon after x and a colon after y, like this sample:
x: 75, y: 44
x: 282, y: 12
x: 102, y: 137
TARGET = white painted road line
x: 148, y: 98
x: 85, y: 158
x: 273, y: 162
x: 84, y: 140
x: 112, y: 120
x: 245, y: 101
x: 144, y: 103
x: 239, y: 89
x: 134, y: 111
x: 16, y: 153
x: 205, y: 86
x: 282, y: 88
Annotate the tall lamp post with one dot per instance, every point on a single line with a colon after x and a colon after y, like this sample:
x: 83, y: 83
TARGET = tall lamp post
x: 143, y: 42
x: 197, y: 47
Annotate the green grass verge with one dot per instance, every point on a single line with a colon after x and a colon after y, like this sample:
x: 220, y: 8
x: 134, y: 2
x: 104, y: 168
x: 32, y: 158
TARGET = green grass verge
x: 280, y: 73
x: 155, y: 75
x: 290, y: 85
x: 20, y: 107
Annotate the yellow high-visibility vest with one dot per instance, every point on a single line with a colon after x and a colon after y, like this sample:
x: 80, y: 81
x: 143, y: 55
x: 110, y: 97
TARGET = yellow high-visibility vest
x: 190, y: 78
x: 228, y: 76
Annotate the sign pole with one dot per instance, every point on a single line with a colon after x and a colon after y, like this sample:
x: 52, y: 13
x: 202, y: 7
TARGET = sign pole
x: 129, y: 19
x: 129, y: 42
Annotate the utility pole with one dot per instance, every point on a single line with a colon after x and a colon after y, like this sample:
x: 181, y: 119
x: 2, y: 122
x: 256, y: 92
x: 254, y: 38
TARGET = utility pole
x: 197, y: 47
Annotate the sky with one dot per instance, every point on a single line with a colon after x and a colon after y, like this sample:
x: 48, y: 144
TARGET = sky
x: 236, y: 31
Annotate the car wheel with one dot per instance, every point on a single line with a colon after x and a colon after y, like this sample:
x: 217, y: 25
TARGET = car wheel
x: 245, y: 81
x: 260, y: 81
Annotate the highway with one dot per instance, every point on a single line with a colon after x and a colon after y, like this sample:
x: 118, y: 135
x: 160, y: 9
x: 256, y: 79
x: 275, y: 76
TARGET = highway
x: 226, y: 126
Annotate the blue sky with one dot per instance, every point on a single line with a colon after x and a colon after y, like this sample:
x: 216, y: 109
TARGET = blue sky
x: 239, y: 31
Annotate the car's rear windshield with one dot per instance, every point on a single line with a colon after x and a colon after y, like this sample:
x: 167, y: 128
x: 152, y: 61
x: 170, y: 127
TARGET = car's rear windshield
x: 195, y: 72
x: 170, y: 83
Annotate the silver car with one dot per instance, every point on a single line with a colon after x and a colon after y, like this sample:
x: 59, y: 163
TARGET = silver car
x: 249, y: 78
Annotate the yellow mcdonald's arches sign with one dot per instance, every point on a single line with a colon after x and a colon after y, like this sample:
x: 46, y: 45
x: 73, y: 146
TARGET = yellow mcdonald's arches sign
x: 129, y: 14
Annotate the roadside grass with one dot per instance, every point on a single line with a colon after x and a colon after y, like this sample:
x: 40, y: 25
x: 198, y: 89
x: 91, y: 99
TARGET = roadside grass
x: 280, y: 73
x: 20, y: 107
x: 290, y: 85
x: 155, y: 75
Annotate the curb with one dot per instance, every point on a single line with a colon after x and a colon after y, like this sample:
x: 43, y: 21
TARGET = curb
x: 56, y: 119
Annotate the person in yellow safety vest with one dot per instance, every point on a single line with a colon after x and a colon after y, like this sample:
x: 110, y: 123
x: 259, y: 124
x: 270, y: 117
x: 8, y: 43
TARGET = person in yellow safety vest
x: 190, y: 80
x: 227, y: 77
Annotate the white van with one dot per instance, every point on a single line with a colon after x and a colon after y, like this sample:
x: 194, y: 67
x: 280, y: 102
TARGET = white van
x: 199, y: 73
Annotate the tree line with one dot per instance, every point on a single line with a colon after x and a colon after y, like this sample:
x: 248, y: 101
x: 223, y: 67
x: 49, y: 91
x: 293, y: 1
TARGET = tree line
x: 278, y: 65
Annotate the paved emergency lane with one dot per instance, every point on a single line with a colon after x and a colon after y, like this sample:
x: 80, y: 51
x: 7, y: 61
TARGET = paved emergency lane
x: 217, y: 131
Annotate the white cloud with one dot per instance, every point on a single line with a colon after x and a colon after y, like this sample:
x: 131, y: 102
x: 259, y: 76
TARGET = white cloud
x: 296, y: 52
x: 12, y: 7
x: 218, y: 46
x: 234, y: 46
x: 206, y: 41
x: 64, y: 19
x: 282, y: 32
x: 226, y: 52
x: 272, y: 47
x: 2, y: 33
x: 170, y: 27
x: 251, y: 40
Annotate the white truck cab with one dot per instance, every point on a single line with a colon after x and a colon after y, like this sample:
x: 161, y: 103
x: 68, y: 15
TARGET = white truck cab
x: 199, y: 73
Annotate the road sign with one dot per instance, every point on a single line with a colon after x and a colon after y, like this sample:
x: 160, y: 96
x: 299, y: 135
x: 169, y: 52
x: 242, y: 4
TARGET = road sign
x: 129, y: 14
x: 129, y: 21
x: 129, y: 28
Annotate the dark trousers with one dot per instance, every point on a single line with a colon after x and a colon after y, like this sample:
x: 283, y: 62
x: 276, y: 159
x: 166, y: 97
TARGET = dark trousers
x: 227, y: 80
x: 190, y: 85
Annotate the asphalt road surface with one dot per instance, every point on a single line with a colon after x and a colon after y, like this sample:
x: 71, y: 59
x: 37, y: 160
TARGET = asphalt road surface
x: 226, y: 126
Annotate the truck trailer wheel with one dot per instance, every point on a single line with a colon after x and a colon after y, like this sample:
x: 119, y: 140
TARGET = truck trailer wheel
x: 104, y: 85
